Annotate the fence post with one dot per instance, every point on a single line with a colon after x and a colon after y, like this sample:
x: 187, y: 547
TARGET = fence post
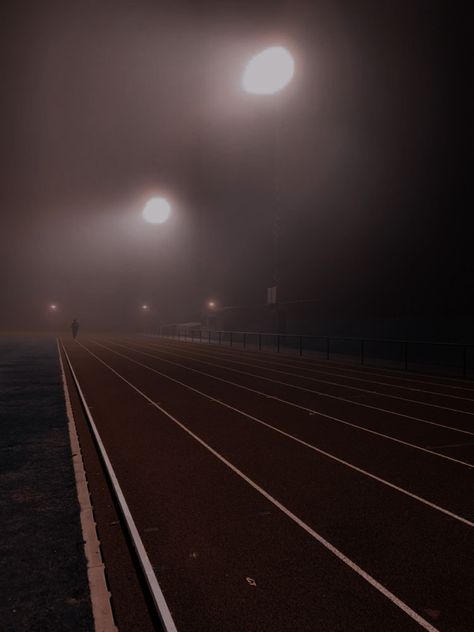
x: 362, y: 352
x: 259, y: 342
x: 327, y: 348
x: 301, y: 345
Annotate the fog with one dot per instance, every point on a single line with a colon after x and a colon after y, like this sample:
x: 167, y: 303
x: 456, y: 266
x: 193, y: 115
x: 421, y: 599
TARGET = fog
x: 361, y: 158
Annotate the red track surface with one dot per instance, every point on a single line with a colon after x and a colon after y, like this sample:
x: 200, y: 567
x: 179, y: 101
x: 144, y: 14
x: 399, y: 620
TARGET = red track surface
x: 276, y: 494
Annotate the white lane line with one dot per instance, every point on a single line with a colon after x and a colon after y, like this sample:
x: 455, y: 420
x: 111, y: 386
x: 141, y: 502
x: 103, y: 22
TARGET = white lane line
x: 305, y: 408
x: 327, y: 367
x: 453, y: 445
x: 100, y: 595
x: 319, y: 538
x: 303, y: 363
x: 321, y: 393
x: 332, y: 374
x: 156, y: 592
x: 294, y: 438
x: 352, y: 388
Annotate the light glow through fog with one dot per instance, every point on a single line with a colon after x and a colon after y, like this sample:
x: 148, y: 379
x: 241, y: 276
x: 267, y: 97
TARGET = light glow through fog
x: 157, y: 210
x: 269, y: 71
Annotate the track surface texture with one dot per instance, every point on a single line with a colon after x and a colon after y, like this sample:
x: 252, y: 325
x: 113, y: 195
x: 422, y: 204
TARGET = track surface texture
x: 279, y: 494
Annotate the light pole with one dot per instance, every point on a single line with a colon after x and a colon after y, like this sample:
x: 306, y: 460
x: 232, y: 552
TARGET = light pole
x: 145, y: 310
x: 156, y: 211
x: 53, y: 309
x: 210, y: 314
x: 266, y: 74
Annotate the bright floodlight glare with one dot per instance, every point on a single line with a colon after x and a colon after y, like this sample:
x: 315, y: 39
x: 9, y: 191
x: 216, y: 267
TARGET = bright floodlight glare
x: 269, y: 71
x: 157, y: 210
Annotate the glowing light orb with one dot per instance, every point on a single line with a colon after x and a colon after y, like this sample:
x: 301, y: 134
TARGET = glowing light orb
x: 53, y: 307
x: 145, y: 307
x: 269, y: 71
x: 211, y: 304
x: 157, y: 210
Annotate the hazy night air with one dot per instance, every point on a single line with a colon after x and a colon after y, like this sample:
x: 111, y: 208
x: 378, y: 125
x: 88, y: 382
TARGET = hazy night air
x: 236, y: 322
x: 106, y: 105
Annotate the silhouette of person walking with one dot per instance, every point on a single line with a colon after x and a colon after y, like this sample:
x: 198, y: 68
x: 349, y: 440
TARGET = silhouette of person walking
x: 75, y: 328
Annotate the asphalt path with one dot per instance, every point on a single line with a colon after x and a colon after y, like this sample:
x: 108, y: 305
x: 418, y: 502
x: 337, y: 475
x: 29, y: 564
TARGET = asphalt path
x: 278, y: 494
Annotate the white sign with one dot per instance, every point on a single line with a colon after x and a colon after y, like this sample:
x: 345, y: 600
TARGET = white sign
x: 272, y: 295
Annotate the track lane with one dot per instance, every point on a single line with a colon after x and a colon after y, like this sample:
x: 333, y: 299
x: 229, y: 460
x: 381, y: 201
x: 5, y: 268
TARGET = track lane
x: 207, y: 531
x: 343, y: 414
x: 466, y: 417
x: 160, y: 606
x: 314, y: 363
x: 462, y: 420
x: 445, y: 403
x: 365, y: 452
x: 439, y: 395
x: 393, y: 525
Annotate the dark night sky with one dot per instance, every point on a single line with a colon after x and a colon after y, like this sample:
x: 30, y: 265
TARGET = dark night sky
x: 104, y: 103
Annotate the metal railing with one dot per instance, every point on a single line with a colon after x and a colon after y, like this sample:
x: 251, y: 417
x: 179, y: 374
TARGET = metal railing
x: 410, y: 355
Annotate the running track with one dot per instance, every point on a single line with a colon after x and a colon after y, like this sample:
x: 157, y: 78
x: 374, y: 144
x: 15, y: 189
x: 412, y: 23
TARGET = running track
x: 280, y: 494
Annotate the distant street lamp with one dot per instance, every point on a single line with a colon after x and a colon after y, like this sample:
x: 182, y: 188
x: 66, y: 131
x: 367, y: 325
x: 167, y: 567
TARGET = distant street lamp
x: 267, y: 73
x: 53, y: 319
x: 145, y: 310
x: 210, y: 314
x: 157, y: 210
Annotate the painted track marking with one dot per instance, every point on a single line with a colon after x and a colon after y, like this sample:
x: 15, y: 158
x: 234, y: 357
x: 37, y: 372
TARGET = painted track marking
x: 152, y: 581
x: 99, y: 593
x: 298, y: 440
x: 313, y: 411
x: 319, y: 538
x: 320, y: 393
x: 348, y: 377
x: 306, y: 363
